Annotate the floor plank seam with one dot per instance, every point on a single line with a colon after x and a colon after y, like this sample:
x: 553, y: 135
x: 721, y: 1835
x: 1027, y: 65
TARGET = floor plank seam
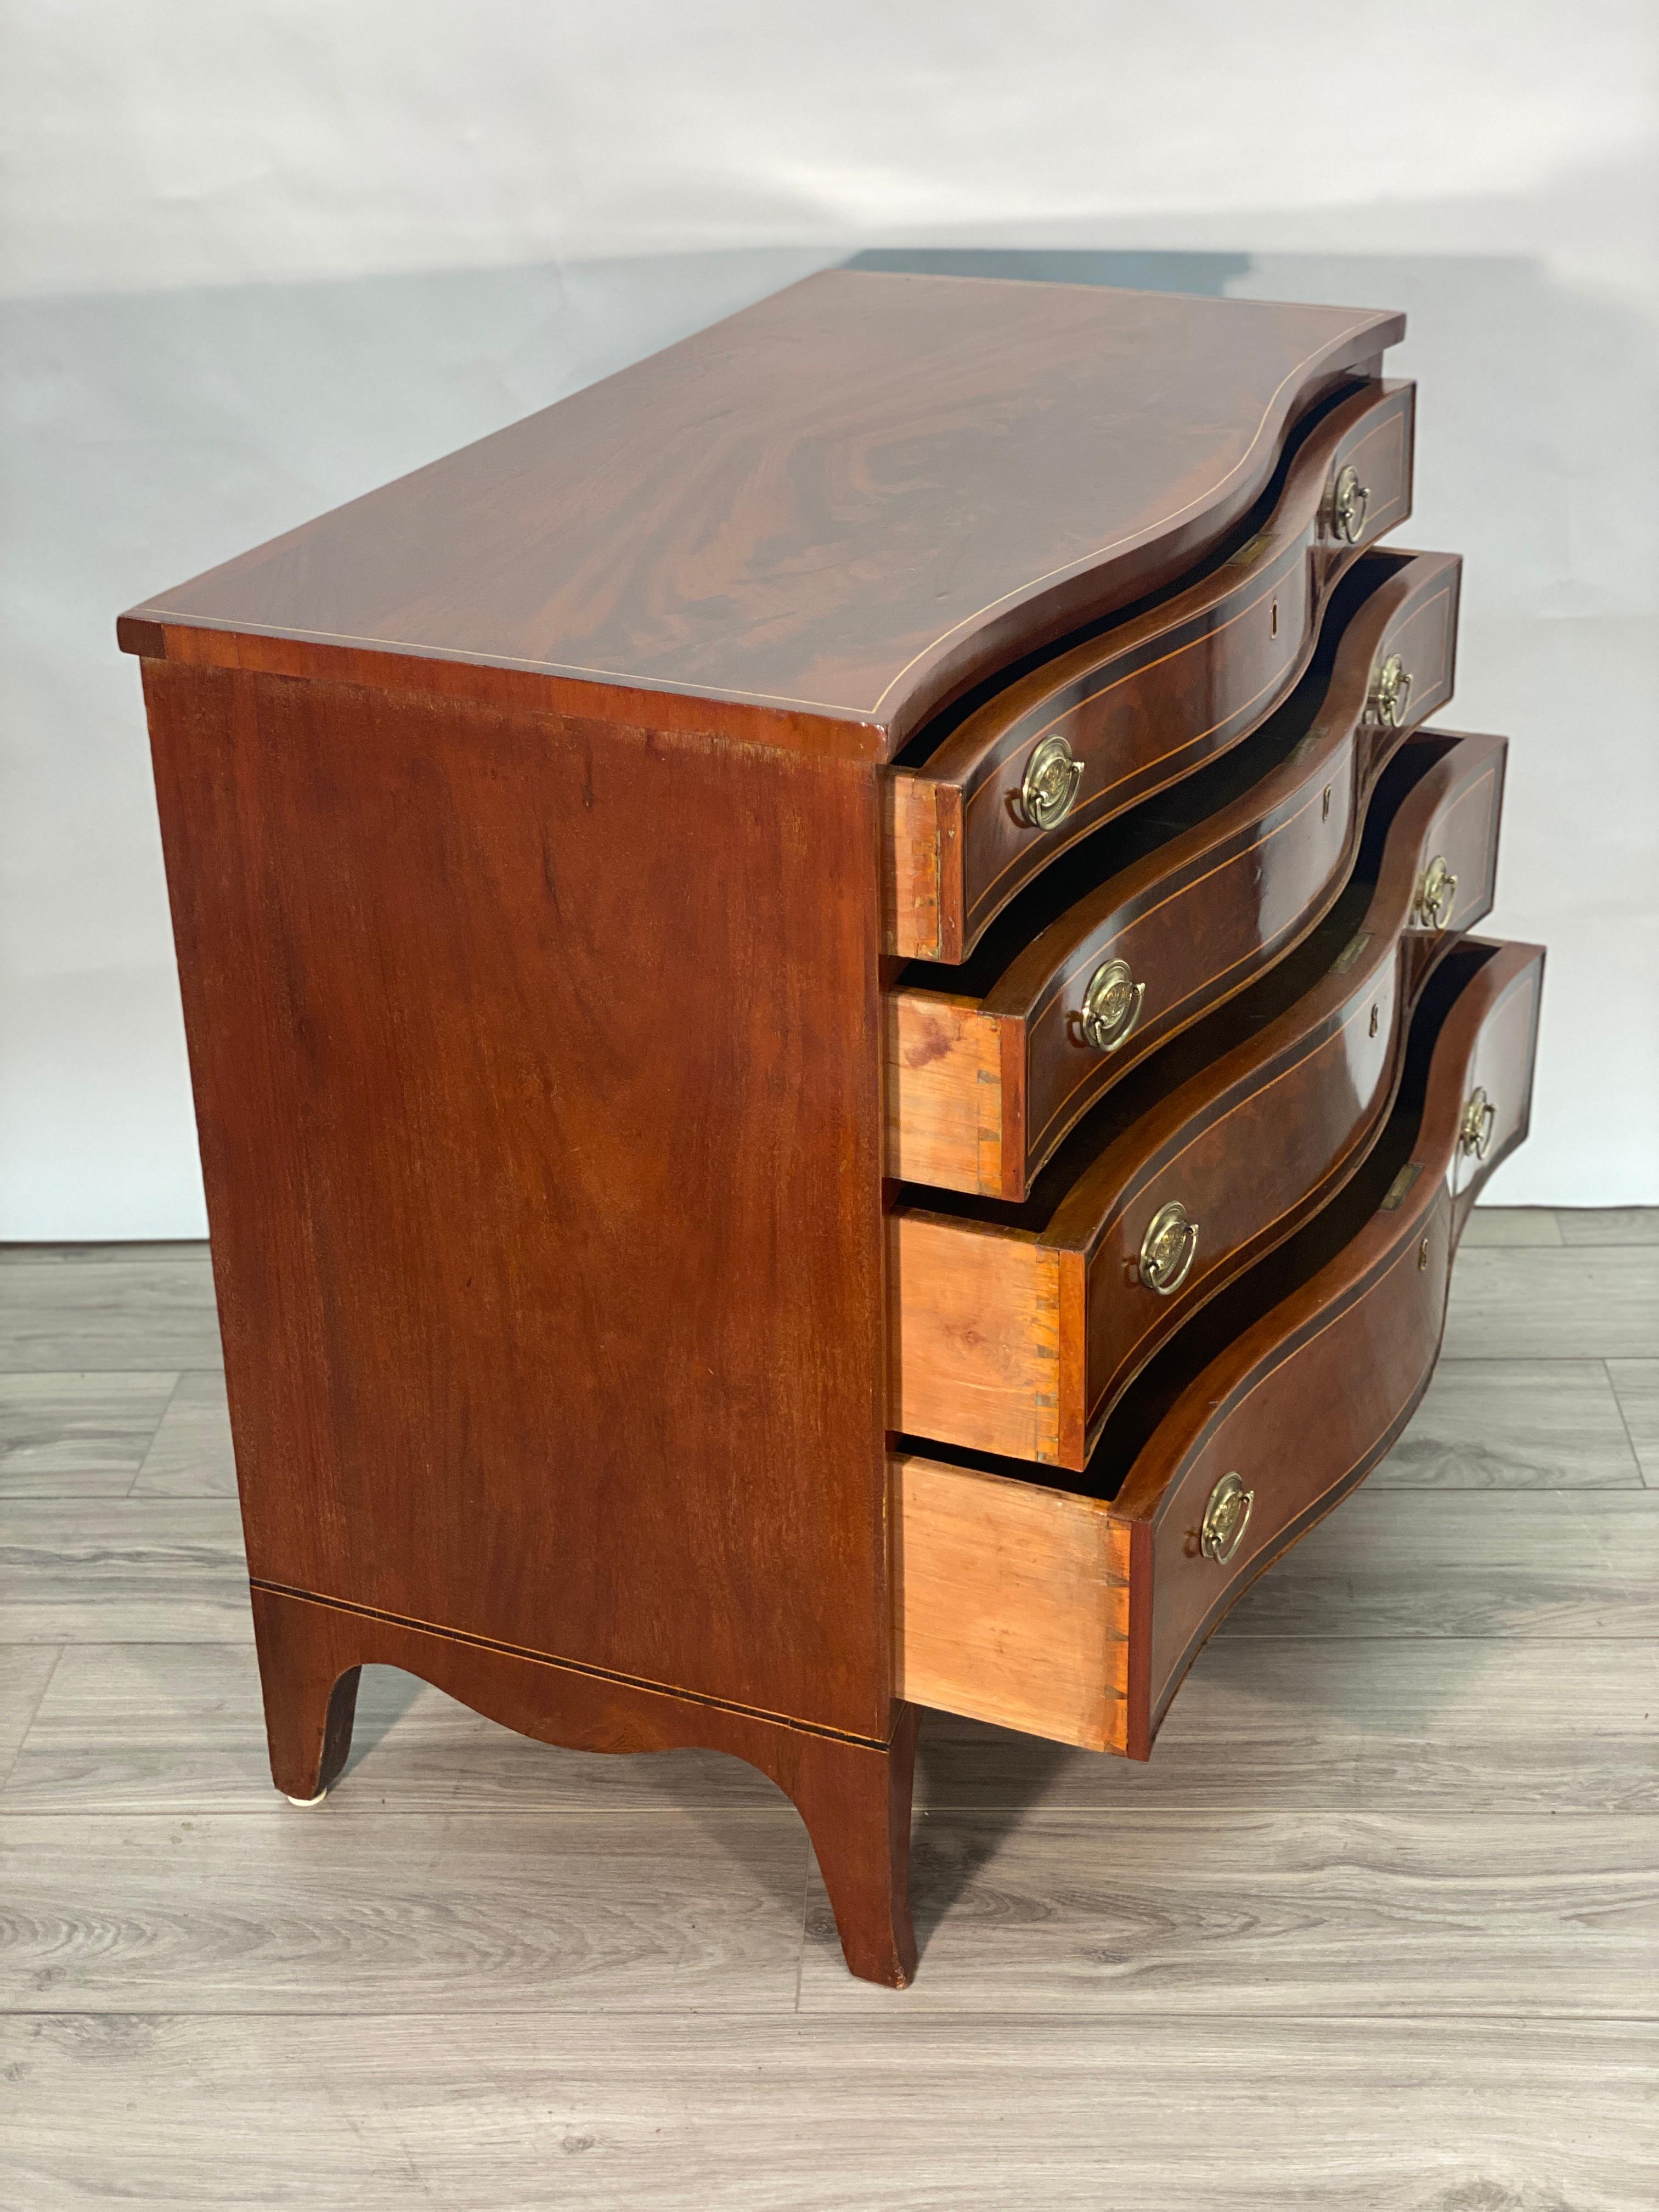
x: 1623, y: 1419
x: 400, y: 1816
x: 34, y: 1713
x: 150, y: 1449
x: 1445, y: 1826
x: 1268, y: 1636
x: 1487, y: 1358
x: 892, y: 2004
x: 1395, y: 1483
x: 85, y: 1373
x: 805, y: 1900
x: 1225, y: 1635
x: 933, y: 1810
x: 245, y: 1644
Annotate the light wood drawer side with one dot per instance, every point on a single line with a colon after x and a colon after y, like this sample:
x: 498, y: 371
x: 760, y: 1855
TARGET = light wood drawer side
x: 945, y: 1103
x: 1011, y: 1603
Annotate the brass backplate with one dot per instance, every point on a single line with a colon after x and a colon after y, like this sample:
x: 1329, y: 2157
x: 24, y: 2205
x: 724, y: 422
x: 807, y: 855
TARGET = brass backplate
x: 1053, y: 775
x: 1391, y: 692
x: 1111, y: 1006
x: 1437, y: 895
x: 1168, y: 1248
x: 1349, y: 501
x: 1225, y: 1519
x: 1474, y: 1132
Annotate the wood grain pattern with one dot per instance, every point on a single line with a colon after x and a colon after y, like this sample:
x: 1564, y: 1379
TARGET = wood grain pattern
x: 1297, y: 1075
x: 1636, y: 1383
x: 77, y: 1435
x: 1358, y: 1338
x: 144, y: 1314
x: 1602, y: 1302
x: 980, y: 1343
x: 540, y: 1914
x: 1511, y: 1225
x: 1503, y: 1425
x: 25, y: 1673
x: 780, y: 518
x: 853, y: 1796
x: 1400, y: 1714
x: 111, y: 1570
x: 1532, y: 1568
x: 1012, y: 1603
x: 526, y: 826
x: 1259, y: 1916
x: 178, y: 1729
x: 191, y: 1454
x: 721, y: 2114
x: 920, y: 821
x: 945, y: 1091
x: 1354, y: 1333
x: 190, y: 1251
x: 1198, y: 892
x: 1153, y: 698
x: 1610, y: 1224
x: 527, y: 1188
x: 1407, y: 1708
x: 1383, y: 1721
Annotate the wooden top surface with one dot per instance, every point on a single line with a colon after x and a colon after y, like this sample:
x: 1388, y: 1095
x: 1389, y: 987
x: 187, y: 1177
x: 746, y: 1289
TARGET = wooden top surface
x: 840, y: 507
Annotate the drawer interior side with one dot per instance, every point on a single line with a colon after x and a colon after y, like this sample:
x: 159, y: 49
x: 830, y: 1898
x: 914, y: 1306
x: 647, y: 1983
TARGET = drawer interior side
x: 1011, y: 1603
x: 945, y: 1091
x: 977, y: 1326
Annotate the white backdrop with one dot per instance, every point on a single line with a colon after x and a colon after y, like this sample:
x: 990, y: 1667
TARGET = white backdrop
x: 259, y: 258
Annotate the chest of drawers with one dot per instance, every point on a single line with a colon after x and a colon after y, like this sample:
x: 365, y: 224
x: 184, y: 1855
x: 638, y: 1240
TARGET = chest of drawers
x: 836, y: 1052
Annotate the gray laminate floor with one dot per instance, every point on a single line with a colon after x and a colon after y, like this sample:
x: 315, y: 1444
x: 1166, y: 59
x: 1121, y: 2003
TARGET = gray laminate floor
x: 1378, y: 1926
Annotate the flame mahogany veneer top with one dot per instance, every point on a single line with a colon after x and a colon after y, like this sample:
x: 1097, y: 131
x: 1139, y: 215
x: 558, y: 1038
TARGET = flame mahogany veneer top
x: 816, y: 522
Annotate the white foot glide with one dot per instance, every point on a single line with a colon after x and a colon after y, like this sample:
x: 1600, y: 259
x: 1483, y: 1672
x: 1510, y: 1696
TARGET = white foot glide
x: 317, y: 1800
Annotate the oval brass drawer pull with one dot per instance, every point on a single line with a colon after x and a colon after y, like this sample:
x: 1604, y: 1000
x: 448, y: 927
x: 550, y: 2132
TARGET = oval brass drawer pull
x: 1474, y: 1132
x: 1052, y: 777
x: 1226, y: 1517
x: 1111, y: 1006
x: 1349, y: 501
x: 1437, y: 895
x: 1168, y: 1249
x: 1391, y: 693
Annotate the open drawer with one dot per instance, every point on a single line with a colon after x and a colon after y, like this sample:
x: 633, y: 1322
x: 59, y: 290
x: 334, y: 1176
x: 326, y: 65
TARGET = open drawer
x: 1074, y: 1613
x: 1016, y: 1331
x: 990, y: 794
x: 1138, y: 932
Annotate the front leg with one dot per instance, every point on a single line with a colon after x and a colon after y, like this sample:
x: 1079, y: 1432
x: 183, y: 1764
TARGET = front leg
x: 855, y: 1801
x: 310, y: 1684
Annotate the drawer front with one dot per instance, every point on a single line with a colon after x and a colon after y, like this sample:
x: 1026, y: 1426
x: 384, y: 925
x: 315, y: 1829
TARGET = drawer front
x: 1076, y: 1618
x: 1093, y: 731
x: 1497, y: 1090
x: 980, y: 1092
x: 1300, y: 1104
x: 1312, y: 1397
x: 1018, y: 1341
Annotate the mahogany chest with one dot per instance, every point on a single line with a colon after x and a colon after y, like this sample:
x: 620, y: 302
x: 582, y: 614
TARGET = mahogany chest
x: 836, y: 1049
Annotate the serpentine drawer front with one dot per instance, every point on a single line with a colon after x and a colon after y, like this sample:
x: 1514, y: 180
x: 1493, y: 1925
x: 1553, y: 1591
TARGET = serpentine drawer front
x: 795, y: 953
x: 1145, y: 926
x: 1074, y: 1615
x: 1095, y: 728
x: 1016, y: 1330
